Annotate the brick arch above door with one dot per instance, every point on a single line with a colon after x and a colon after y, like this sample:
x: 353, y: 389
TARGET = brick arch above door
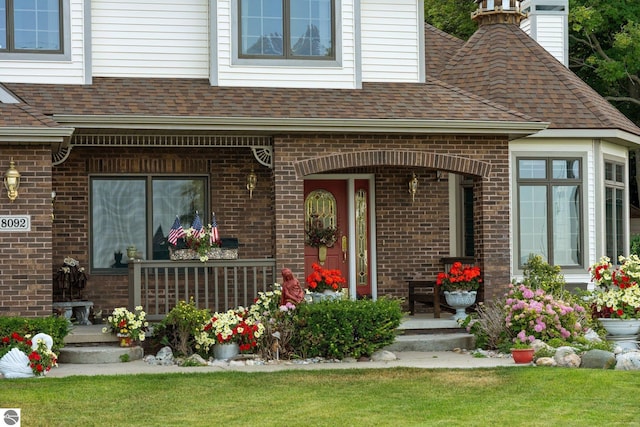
x: 456, y: 164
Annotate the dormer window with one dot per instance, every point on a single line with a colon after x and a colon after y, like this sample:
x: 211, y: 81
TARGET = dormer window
x: 287, y: 29
x: 31, y: 26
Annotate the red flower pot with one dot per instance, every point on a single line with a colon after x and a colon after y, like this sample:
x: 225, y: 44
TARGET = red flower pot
x: 522, y: 355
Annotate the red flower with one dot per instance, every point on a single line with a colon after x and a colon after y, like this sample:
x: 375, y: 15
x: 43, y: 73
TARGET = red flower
x: 324, y: 279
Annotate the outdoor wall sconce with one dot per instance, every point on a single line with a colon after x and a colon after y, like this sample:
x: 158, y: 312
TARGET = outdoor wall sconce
x: 53, y: 201
x: 12, y: 181
x: 252, y: 180
x: 413, y: 187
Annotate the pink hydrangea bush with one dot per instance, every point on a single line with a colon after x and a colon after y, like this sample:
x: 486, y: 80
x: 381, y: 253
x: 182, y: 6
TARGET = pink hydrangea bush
x: 532, y: 314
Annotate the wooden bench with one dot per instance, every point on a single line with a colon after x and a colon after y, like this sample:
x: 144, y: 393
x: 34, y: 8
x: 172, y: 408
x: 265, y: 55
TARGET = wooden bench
x: 427, y: 292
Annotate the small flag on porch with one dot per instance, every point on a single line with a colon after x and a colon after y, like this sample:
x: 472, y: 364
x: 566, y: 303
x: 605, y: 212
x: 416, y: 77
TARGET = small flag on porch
x: 176, y: 232
x: 215, y: 237
x: 198, y: 229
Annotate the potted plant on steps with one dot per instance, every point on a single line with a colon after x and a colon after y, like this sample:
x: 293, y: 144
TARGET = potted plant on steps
x: 460, y: 287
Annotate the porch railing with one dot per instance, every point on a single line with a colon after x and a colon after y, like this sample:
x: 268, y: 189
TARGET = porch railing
x: 217, y: 285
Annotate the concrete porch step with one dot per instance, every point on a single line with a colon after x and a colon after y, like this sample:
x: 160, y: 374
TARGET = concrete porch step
x: 423, y: 332
x: 86, y: 354
x: 89, y: 334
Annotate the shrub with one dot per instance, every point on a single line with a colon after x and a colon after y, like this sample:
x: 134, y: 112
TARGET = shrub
x: 57, y: 327
x: 534, y: 314
x: 533, y: 309
x: 279, y: 327
x: 538, y: 274
x: 181, y: 325
x: 345, y: 328
x: 635, y: 245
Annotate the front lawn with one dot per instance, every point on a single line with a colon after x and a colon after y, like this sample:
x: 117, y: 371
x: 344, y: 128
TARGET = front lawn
x: 359, y: 397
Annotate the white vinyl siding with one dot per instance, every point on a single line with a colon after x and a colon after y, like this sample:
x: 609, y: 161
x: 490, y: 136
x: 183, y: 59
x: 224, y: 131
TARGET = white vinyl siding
x: 550, y: 35
x: 40, y: 68
x: 391, y: 49
x: 339, y: 74
x: 150, y: 38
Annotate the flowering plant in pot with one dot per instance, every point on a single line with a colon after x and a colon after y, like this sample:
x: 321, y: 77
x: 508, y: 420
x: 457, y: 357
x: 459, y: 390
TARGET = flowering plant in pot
x: 35, y: 354
x: 201, y: 241
x: 322, y: 279
x: 232, y: 326
x: 460, y: 278
x: 125, y: 323
x: 617, y: 293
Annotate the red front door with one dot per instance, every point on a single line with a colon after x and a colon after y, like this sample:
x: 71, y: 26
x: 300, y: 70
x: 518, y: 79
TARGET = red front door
x: 327, y: 203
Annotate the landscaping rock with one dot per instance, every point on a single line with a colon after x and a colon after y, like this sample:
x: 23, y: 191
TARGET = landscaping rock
x: 598, y: 359
x: 538, y: 345
x: 566, y: 357
x: 383, y: 356
x: 592, y: 336
x: 546, y: 361
x: 195, y: 359
x: 629, y: 361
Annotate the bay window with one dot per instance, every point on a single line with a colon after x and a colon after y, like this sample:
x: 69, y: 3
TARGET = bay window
x: 614, y: 187
x: 549, y: 210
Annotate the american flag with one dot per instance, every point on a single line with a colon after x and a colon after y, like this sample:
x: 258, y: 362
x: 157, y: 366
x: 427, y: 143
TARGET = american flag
x: 176, y: 232
x: 215, y: 237
x: 198, y: 229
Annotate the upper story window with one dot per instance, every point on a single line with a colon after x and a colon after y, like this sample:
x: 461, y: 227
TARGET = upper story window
x: 287, y: 29
x: 31, y: 26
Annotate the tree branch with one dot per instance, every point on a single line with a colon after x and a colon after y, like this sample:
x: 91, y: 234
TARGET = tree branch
x: 623, y: 99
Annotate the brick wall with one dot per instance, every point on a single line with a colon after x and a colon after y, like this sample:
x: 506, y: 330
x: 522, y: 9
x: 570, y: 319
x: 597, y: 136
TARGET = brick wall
x: 25, y: 257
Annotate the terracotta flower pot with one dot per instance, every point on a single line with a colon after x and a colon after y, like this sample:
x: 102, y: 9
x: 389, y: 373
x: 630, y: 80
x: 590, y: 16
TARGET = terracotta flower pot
x: 522, y: 355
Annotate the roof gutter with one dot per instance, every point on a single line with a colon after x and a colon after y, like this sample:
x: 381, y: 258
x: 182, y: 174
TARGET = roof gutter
x: 614, y: 135
x: 514, y: 129
x: 35, y: 135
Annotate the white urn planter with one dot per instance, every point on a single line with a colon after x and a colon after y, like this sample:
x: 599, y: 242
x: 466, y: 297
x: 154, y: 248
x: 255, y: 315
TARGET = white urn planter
x: 623, y: 332
x: 460, y: 300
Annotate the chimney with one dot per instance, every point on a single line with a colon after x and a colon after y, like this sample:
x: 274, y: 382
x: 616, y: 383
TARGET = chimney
x: 497, y: 12
x: 547, y: 22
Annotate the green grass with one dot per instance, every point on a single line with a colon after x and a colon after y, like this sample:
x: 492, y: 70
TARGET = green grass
x: 526, y: 396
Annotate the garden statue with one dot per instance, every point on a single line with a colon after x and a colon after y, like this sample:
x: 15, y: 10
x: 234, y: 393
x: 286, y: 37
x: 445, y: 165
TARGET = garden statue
x: 291, y: 290
x: 70, y: 280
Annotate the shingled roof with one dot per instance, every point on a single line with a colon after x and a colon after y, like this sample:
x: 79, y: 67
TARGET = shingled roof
x: 433, y: 100
x: 502, y: 63
x: 23, y: 116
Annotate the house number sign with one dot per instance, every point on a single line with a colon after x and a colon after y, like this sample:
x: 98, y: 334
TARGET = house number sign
x: 15, y: 223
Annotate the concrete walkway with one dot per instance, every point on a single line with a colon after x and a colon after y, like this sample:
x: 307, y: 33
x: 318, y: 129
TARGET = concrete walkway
x: 409, y: 359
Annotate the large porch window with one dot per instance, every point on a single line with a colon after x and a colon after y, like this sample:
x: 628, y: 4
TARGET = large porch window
x: 139, y: 211
x: 549, y: 210
x: 614, y: 188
